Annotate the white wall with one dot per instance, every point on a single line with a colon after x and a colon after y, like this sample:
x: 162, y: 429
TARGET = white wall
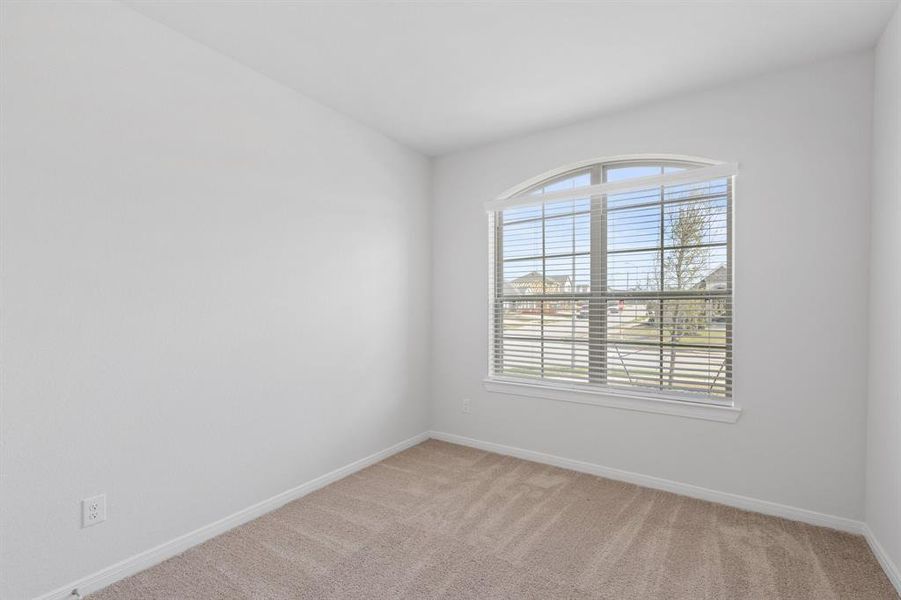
x: 802, y: 138
x: 883, y: 490
x: 213, y: 288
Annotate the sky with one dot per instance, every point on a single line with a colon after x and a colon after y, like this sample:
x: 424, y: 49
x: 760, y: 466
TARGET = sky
x: 633, y: 231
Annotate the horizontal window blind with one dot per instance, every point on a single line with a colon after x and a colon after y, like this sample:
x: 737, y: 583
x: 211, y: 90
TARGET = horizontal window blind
x: 616, y: 276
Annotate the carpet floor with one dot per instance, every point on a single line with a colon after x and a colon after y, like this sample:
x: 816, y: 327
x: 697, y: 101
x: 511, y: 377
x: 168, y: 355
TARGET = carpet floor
x: 447, y: 521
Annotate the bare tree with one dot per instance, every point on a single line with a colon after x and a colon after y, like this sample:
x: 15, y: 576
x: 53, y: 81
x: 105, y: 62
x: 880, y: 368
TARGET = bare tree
x: 683, y: 267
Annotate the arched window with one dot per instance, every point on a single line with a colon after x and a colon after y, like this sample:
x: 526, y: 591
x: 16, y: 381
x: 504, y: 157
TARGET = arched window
x: 616, y: 275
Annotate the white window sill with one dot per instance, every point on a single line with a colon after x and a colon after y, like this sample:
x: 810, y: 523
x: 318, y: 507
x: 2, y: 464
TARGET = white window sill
x: 617, y: 399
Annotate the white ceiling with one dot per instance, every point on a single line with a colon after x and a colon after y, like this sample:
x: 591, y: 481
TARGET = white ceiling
x: 441, y: 76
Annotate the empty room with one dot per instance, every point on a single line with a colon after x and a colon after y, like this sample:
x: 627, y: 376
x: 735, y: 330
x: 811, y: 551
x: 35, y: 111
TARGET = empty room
x: 384, y: 300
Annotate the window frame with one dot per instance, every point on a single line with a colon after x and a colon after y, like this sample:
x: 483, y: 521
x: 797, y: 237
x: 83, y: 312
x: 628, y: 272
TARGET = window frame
x: 596, y: 390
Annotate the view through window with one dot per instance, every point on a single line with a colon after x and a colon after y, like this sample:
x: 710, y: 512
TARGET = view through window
x: 622, y: 289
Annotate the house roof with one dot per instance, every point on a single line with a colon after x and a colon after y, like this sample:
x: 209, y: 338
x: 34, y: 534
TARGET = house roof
x: 716, y: 278
x: 536, y: 276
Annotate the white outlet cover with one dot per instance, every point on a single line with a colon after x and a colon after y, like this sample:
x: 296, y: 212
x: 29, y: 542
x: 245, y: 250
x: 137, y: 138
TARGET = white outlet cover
x: 93, y: 510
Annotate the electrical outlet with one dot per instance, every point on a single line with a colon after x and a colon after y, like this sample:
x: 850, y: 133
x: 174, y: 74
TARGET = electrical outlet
x: 466, y: 406
x: 93, y: 510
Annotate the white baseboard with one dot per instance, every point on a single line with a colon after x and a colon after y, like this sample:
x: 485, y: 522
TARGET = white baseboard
x: 743, y: 502
x: 148, y: 558
x: 890, y: 568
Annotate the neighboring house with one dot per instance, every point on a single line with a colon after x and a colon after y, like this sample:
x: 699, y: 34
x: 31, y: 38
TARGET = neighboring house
x: 534, y: 284
x: 714, y: 308
x: 715, y: 280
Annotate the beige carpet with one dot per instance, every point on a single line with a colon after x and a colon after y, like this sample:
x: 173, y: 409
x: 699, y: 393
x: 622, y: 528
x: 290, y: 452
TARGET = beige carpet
x: 446, y: 521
